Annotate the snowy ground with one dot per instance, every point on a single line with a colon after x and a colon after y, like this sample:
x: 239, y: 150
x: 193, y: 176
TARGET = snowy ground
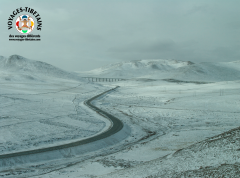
x: 173, y: 123
x: 35, y: 115
x: 165, y: 117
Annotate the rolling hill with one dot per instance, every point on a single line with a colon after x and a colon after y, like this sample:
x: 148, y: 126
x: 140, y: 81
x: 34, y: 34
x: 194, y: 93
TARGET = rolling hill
x: 18, y: 68
x: 170, y: 69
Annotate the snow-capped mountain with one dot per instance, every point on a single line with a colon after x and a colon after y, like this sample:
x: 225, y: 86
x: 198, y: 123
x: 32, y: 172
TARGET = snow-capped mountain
x: 138, y: 68
x: 19, y: 68
x: 170, y: 69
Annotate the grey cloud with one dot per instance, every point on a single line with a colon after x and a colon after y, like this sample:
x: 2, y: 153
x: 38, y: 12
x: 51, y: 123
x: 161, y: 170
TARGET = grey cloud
x: 146, y: 47
x: 82, y: 35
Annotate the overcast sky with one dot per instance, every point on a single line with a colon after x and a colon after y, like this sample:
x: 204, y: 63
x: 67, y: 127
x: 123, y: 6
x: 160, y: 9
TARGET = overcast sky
x: 85, y: 34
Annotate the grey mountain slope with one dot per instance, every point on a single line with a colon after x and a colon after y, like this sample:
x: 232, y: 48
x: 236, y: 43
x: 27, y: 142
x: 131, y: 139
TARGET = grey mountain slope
x: 17, y: 67
x: 170, y: 69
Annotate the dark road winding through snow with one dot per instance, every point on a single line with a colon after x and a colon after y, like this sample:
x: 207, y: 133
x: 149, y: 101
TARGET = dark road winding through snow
x: 116, y: 126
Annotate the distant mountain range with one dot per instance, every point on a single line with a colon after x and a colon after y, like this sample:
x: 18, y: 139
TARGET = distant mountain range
x: 18, y: 68
x: 170, y: 69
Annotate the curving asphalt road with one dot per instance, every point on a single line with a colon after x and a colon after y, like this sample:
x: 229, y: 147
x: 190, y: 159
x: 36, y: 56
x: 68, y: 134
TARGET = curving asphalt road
x: 116, y: 126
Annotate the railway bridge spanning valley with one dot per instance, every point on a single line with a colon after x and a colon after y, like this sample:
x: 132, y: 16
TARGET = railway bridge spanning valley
x: 96, y: 79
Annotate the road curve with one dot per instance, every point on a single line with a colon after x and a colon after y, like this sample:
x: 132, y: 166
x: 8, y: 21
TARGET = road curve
x: 116, y: 126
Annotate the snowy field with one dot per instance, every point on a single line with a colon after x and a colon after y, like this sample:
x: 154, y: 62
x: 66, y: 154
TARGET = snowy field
x: 35, y: 115
x: 45, y: 108
x: 174, y: 123
x: 165, y: 117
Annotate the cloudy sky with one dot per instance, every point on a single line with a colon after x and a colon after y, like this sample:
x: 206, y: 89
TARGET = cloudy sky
x: 80, y: 35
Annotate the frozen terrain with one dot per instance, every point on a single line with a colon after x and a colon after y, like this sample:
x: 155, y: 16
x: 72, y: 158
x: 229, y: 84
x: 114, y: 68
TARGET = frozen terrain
x: 45, y: 110
x: 170, y: 69
x: 17, y: 68
x: 179, y: 128
x: 170, y: 123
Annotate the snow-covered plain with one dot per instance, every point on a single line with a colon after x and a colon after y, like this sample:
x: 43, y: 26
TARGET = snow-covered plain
x: 171, y: 122
x: 35, y: 115
x: 164, y: 118
x: 39, y: 114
